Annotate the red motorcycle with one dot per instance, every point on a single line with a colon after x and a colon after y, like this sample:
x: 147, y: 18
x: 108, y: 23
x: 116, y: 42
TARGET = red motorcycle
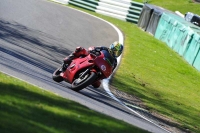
x: 84, y: 71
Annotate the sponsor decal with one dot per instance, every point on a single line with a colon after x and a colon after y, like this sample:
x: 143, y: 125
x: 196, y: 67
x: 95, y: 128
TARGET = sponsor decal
x: 103, y: 67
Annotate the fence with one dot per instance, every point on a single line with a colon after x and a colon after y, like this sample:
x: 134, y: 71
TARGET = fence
x: 179, y: 34
x: 121, y: 9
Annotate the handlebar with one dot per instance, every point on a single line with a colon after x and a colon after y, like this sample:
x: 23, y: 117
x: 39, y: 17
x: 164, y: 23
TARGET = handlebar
x: 96, y: 53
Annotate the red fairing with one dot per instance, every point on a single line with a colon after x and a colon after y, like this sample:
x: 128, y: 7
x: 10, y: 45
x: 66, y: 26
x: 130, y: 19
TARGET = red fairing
x: 88, y: 69
x: 95, y: 63
x: 75, y: 66
x: 103, y: 65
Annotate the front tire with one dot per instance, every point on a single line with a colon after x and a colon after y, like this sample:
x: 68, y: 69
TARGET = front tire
x: 56, y: 75
x: 79, y: 83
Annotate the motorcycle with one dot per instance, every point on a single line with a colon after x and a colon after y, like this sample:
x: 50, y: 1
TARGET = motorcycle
x: 85, y: 71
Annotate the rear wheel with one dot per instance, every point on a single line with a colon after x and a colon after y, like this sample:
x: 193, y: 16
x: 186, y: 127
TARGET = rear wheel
x: 83, y: 82
x: 56, y: 75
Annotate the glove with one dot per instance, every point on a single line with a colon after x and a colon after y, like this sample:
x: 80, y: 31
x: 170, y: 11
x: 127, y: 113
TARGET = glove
x: 92, y: 51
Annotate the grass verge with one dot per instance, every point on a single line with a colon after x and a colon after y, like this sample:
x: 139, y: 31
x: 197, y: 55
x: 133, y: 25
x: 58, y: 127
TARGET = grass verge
x: 27, y: 109
x: 152, y: 71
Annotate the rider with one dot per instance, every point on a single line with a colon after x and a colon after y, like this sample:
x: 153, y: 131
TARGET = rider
x: 115, y: 50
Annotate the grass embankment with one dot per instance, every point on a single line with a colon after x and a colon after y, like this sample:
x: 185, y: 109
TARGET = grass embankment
x: 160, y: 77
x: 164, y: 81
x: 27, y: 109
x: 152, y: 71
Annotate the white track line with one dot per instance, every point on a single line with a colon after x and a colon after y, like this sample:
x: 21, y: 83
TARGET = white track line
x: 105, y: 82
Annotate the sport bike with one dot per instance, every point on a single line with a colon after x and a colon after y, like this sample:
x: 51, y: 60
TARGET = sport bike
x: 86, y: 70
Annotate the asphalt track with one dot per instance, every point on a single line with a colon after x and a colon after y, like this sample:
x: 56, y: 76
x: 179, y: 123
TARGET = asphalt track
x: 35, y: 35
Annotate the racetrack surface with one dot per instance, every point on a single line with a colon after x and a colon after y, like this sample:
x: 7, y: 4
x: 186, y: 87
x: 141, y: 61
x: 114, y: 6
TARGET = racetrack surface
x: 35, y: 35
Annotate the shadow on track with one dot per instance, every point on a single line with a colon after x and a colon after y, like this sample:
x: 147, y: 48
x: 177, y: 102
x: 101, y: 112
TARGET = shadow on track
x: 33, y: 47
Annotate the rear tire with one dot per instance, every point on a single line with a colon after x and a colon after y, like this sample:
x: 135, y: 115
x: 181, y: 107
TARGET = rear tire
x: 56, y: 75
x: 79, y: 84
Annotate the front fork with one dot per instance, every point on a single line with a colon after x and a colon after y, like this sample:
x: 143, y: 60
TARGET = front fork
x: 85, y: 72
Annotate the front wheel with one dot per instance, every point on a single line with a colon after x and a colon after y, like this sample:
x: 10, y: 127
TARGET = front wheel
x: 56, y: 75
x: 83, y: 82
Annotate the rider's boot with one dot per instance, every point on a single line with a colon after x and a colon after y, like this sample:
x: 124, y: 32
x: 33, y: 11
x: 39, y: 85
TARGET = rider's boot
x: 96, y: 84
x: 67, y: 61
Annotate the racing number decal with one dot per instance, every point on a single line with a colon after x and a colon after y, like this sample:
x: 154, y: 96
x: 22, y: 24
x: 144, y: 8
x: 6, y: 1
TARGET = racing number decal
x: 103, y: 67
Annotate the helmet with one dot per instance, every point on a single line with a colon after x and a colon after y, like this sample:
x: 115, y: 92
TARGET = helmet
x: 116, y: 49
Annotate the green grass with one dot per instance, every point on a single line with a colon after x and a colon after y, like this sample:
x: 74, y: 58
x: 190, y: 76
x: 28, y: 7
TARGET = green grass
x: 27, y: 109
x: 161, y: 78
x: 152, y: 71
x: 164, y: 81
x: 181, y: 5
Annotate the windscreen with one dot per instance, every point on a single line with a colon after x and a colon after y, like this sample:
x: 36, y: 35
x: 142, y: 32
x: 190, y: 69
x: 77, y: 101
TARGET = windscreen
x: 108, y: 57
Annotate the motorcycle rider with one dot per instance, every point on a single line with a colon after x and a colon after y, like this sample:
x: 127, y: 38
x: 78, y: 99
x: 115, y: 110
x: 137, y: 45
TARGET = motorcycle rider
x: 115, y: 51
